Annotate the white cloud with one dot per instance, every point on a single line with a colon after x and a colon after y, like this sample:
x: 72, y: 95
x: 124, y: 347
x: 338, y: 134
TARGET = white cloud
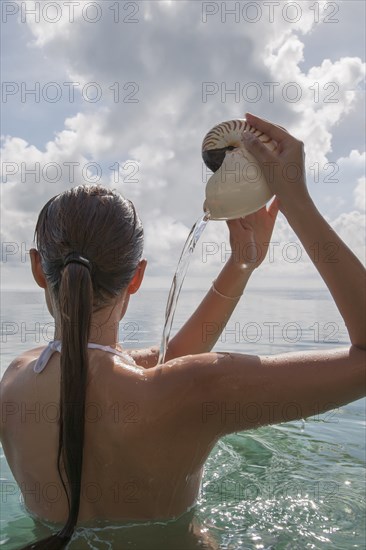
x: 155, y: 142
x: 353, y: 165
x: 351, y: 227
x: 321, y: 97
x: 334, y: 183
x: 359, y: 194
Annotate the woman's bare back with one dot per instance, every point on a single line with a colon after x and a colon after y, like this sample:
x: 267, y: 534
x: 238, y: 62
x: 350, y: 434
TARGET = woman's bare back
x: 142, y: 460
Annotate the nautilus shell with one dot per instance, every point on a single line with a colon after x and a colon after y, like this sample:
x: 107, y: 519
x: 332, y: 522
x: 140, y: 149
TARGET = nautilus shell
x: 238, y: 186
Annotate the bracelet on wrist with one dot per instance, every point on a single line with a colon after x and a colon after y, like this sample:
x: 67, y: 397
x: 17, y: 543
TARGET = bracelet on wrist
x: 234, y: 298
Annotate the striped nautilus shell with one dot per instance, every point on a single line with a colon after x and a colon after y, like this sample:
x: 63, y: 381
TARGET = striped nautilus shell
x: 238, y: 186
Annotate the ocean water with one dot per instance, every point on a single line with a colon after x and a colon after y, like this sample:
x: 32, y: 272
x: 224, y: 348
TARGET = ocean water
x: 298, y: 485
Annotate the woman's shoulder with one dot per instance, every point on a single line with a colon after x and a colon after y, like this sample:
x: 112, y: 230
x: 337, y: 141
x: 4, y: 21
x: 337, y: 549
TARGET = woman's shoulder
x: 13, y: 381
x: 18, y: 364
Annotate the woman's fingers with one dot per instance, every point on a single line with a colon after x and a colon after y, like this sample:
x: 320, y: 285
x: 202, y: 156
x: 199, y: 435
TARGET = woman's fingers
x: 262, y: 210
x: 256, y: 147
x: 256, y: 218
x: 232, y: 224
x: 275, y: 132
x: 274, y: 208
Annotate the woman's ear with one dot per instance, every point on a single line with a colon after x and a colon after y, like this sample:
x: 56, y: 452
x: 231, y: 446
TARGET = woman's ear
x: 37, y: 268
x: 137, y: 278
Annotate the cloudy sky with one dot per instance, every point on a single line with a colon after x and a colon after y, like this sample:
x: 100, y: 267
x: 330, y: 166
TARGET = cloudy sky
x: 122, y: 93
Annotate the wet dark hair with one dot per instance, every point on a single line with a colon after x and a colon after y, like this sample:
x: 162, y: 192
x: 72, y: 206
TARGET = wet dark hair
x: 90, y: 241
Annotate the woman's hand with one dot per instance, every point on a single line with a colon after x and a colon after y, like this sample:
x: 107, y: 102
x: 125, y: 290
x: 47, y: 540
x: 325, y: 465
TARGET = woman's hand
x: 250, y: 236
x: 284, y: 168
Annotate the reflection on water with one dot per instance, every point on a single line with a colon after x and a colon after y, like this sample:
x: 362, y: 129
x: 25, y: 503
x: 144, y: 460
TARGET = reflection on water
x: 284, y: 494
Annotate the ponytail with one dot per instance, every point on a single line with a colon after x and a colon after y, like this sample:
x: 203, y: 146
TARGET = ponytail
x: 105, y: 227
x: 75, y: 298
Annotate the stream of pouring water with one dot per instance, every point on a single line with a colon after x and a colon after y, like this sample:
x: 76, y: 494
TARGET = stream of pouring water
x: 178, y: 279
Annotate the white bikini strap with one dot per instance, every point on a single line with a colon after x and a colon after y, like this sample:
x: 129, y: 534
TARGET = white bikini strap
x: 109, y: 349
x: 46, y: 355
x: 56, y: 346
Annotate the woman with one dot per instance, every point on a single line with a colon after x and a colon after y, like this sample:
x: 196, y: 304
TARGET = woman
x: 137, y: 432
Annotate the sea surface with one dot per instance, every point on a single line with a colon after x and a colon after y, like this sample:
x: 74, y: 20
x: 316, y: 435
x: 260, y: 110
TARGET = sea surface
x: 297, y: 485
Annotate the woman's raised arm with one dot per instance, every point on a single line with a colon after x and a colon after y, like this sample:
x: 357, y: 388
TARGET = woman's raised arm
x: 341, y: 271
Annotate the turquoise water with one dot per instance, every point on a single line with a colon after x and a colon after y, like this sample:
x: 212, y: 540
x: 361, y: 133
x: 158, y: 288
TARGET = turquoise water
x: 298, y: 485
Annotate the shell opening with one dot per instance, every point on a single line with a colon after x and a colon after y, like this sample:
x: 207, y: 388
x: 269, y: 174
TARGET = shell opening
x: 213, y: 158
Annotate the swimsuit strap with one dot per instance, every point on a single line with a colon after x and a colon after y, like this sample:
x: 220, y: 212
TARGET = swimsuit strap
x: 46, y: 355
x: 55, y: 345
x: 109, y: 349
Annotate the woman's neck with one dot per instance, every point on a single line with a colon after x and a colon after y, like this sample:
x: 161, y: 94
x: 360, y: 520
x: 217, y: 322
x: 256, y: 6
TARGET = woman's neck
x: 104, y: 328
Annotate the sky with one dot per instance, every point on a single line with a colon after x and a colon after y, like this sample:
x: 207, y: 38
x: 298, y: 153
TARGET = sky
x: 122, y: 94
